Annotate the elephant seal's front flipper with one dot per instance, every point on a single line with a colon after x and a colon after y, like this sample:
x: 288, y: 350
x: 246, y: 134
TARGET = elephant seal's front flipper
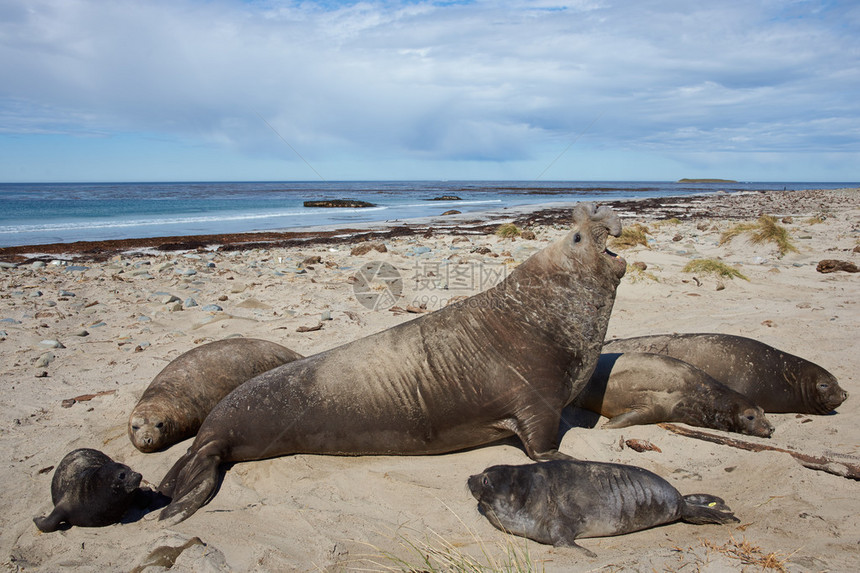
x: 198, y: 473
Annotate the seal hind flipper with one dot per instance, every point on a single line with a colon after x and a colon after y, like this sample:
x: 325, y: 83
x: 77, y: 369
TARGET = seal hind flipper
x: 199, y: 478
x: 51, y: 522
x: 701, y: 508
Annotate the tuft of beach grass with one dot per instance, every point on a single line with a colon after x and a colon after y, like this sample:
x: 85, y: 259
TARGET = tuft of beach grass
x: 632, y: 235
x: 749, y: 554
x: 765, y: 230
x: 508, y: 231
x: 714, y: 267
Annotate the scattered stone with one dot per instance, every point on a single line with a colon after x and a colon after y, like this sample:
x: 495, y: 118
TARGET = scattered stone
x: 528, y: 235
x: 45, y: 359
x: 189, y: 303
x: 833, y: 265
x: 38, y: 264
x: 35, y: 294
x: 168, y: 298
x: 186, y: 272
x: 640, y: 265
x: 721, y: 286
x: 173, y: 307
x: 235, y: 288
x: 314, y: 260
x: 3, y: 335
x: 42, y: 374
x: 66, y: 293
x: 77, y: 268
x: 309, y: 328
x: 10, y: 320
x: 787, y: 220
x: 98, y: 324
x: 143, y: 318
x: 212, y: 308
x: 82, y: 332
x: 52, y: 344
x: 4, y: 265
x: 768, y: 323
x: 482, y: 251
x: 365, y: 248
x: 451, y: 212
x: 677, y: 237
x: 222, y: 298
x: 326, y: 315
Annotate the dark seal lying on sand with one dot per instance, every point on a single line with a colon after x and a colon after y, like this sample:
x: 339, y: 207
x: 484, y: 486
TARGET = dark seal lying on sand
x: 777, y: 381
x: 89, y: 490
x: 503, y: 362
x: 560, y: 501
x: 640, y: 388
x: 185, y: 391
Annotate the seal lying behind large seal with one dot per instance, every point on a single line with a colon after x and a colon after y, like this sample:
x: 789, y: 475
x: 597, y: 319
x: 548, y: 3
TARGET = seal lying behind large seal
x: 558, y: 502
x: 89, y: 490
x: 775, y: 380
x: 185, y: 391
x: 505, y: 361
x: 639, y: 388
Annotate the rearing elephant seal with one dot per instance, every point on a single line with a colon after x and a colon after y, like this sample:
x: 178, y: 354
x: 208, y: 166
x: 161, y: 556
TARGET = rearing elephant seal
x: 775, y: 380
x: 89, y: 490
x: 182, y: 395
x: 639, y: 388
x: 561, y: 501
x: 502, y: 362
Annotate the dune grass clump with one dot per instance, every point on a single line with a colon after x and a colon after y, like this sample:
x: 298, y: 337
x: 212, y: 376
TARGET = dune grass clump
x: 713, y: 267
x: 439, y: 555
x: 765, y: 230
x: 631, y: 236
x: 508, y: 231
x: 672, y: 221
x: 749, y: 554
x: 636, y: 273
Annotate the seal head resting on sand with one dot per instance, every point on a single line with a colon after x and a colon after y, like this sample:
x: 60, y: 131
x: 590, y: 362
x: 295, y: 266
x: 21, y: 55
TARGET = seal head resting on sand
x: 777, y: 381
x: 560, y: 501
x: 640, y: 388
x: 182, y: 395
x: 505, y: 361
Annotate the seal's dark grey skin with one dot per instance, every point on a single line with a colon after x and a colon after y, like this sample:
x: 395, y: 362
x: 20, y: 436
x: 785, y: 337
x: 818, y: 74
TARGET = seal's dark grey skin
x: 640, y: 388
x: 89, y: 490
x: 558, y: 502
x: 773, y: 379
x: 503, y: 362
x: 182, y: 395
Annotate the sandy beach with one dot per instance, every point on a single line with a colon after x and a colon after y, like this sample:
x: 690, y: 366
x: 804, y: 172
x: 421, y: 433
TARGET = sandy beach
x: 84, y: 329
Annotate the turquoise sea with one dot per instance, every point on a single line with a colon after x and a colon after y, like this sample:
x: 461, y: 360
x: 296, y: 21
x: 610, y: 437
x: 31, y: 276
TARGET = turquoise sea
x: 35, y: 213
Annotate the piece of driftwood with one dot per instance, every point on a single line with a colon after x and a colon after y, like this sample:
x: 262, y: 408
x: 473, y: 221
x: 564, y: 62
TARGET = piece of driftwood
x: 821, y: 463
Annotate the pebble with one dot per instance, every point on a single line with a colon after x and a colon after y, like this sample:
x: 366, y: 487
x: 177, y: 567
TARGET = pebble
x: 38, y: 264
x: 67, y: 293
x: 35, y: 294
x: 326, y: 315
x: 79, y: 268
x: 189, y: 303
x: 173, y: 307
x: 168, y: 299
x: 45, y: 359
x: 10, y: 320
x: 3, y: 334
x: 98, y: 324
x: 82, y: 332
x: 143, y: 318
x: 186, y: 272
x: 52, y: 344
x: 8, y: 265
x: 210, y: 265
x: 212, y: 308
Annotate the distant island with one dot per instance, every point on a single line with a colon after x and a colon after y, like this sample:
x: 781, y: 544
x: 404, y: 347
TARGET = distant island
x: 339, y: 203
x: 707, y: 181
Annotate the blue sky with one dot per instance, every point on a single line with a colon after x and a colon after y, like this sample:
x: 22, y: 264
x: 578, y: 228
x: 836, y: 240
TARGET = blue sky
x: 167, y: 90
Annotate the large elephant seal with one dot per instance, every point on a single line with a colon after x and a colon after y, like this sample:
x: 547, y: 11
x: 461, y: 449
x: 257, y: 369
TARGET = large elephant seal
x: 182, y: 395
x: 640, y: 388
x: 558, y: 502
x: 90, y: 490
x: 505, y: 361
x: 775, y: 380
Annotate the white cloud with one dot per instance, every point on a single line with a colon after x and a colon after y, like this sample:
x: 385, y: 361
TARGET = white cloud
x: 483, y: 81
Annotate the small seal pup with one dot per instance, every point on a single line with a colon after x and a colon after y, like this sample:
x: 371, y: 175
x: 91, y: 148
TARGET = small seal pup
x: 181, y: 396
x: 90, y: 490
x: 777, y: 381
x: 560, y: 501
x: 502, y: 362
x: 639, y: 388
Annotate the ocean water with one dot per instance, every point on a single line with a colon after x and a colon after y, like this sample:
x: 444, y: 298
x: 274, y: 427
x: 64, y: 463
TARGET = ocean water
x: 34, y: 213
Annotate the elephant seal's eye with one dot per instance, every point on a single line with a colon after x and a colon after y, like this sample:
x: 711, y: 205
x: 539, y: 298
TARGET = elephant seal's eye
x: 577, y: 238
